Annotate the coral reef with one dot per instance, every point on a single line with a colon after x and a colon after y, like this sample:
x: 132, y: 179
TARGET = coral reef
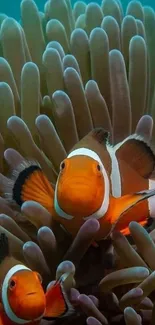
x: 62, y: 72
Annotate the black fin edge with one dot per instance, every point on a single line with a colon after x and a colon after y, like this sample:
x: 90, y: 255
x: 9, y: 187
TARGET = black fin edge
x: 20, y: 181
x: 68, y: 306
x: 101, y: 135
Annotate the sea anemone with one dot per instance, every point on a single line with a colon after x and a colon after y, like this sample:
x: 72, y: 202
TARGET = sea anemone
x: 103, y: 53
x: 63, y: 72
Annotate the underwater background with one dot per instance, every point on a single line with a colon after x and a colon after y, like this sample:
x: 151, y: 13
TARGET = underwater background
x: 12, y: 8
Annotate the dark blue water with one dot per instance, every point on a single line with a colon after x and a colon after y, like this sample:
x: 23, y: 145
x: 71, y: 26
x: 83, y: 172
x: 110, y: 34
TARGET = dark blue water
x: 12, y: 7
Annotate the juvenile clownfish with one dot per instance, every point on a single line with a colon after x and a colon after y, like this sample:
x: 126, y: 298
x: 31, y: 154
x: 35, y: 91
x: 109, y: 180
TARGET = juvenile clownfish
x: 23, y: 300
x: 96, y: 180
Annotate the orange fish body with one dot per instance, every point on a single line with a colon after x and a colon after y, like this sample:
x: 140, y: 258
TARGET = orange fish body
x: 98, y: 181
x: 23, y: 304
x: 4, y: 320
x: 23, y: 300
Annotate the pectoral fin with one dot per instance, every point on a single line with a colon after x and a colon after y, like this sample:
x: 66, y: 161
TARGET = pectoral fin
x: 31, y: 184
x: 57, y: 303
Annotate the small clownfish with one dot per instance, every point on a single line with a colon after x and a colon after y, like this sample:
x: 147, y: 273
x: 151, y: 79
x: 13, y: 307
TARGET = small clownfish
x: 96, y: 180
x: 23, y: 300
x: 22, y: 296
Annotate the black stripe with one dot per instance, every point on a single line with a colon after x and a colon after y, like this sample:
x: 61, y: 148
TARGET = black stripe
x: 20, y: 181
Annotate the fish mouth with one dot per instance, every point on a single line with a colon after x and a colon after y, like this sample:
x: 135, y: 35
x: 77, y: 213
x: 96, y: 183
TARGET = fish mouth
x: 77, y: 186
x: 76, y: 181
x: 31, y: 293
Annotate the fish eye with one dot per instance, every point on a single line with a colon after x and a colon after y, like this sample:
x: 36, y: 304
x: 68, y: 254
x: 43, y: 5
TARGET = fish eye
x: 98, y: 167
x: 12, y: 284
x: 62, y: 166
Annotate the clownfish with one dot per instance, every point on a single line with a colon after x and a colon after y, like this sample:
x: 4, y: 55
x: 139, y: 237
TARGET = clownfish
x: 96, y: 180
x: 23, y: 300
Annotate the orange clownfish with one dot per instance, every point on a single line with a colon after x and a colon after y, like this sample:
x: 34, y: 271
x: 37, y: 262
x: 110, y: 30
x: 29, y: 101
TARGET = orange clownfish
x: 23, y: 300
x: 96, y: 180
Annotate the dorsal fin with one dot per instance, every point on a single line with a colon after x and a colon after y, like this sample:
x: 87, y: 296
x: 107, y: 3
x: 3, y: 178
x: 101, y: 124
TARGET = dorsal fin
x: 97, y: 136
x: 4, y: 247
x: 100, y: 135
x: 137, y: 153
